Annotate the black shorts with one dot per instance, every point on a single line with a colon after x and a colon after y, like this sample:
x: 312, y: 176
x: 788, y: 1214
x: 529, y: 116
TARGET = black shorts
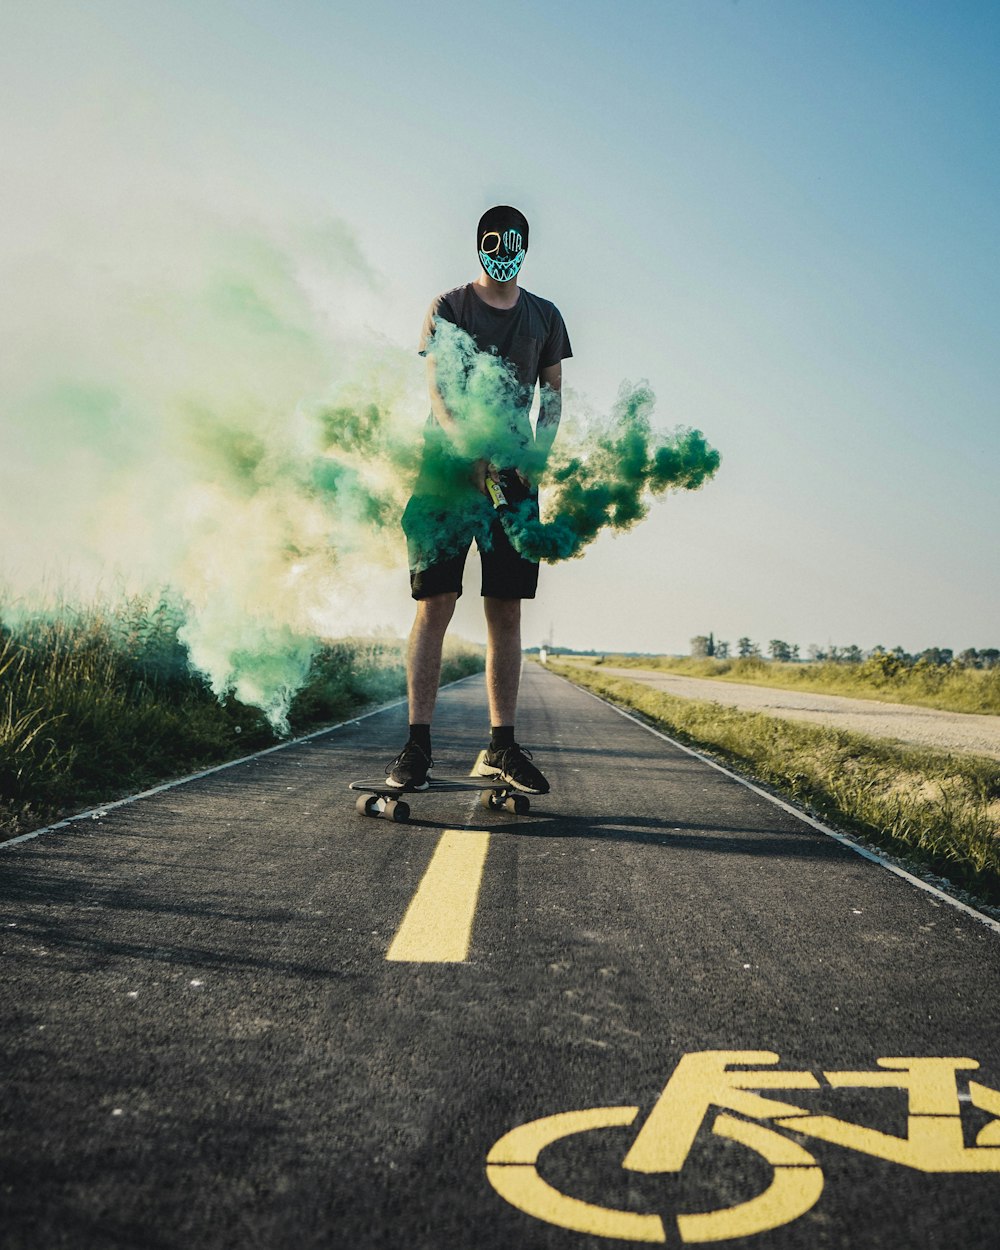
x: 505, y: 574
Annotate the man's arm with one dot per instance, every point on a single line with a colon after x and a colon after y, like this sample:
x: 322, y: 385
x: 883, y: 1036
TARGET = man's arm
x: 549, y: 409
x: 444, y: 418
x: 480, y: 468
x: 439, y: 311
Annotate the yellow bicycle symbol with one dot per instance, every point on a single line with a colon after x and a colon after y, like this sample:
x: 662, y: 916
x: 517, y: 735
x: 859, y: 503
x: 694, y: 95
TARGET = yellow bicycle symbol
x: 706, y: 1080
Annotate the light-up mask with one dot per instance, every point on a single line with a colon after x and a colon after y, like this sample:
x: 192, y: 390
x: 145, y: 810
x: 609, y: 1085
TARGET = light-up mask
x: 503, y: 242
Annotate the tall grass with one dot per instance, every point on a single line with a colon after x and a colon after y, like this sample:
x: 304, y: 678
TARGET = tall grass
x: 99, y: 702
x: 941, y: 810
x: 945, y: 686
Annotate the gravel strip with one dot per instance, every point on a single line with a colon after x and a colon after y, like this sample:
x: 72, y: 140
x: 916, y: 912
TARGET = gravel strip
x: 921, y: 726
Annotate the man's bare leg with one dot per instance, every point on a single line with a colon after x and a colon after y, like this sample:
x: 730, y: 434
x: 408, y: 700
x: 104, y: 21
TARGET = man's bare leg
x: 503, y: 758
x: 423, y: 659
x: 503, y: 657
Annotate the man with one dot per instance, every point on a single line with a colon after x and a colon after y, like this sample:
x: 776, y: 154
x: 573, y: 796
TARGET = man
x: 471, y: 450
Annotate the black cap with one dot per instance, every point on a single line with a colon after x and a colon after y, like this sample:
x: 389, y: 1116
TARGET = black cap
x: 501, y: 218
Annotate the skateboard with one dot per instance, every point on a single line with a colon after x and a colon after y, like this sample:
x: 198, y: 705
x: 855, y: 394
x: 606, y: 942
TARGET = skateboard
x: 391, y: 803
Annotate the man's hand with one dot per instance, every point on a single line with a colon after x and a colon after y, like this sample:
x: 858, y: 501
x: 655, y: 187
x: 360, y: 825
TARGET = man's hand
x: 481, y: 470
x: 531, y: 470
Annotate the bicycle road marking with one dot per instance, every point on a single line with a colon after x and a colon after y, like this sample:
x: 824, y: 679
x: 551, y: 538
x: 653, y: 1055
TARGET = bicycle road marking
x: 437, y: 927
x: 709, y: 1084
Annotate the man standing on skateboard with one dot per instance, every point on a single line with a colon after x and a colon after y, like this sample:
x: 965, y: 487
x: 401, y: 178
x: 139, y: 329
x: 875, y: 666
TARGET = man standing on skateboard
x: 528, y: 337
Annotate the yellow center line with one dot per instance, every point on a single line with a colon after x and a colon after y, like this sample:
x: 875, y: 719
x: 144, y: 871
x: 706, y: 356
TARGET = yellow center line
x: 437, y: 927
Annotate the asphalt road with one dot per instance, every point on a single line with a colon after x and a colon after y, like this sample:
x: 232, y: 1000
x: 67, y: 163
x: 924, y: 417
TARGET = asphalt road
x: 238, y: 1014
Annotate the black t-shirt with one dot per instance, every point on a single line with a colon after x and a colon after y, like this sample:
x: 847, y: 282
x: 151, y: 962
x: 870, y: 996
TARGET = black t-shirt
x: 531, y: 336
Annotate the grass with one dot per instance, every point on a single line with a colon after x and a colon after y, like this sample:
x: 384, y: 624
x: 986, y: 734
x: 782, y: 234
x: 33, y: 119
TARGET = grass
x: 939, y: 810
x: 97, y: 704
x: 947, y: 687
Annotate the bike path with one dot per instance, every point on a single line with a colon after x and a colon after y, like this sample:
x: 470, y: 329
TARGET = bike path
x: 207, y: 1046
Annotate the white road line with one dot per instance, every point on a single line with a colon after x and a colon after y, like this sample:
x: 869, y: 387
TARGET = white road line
x: 94, y: 813
x: 843, y: 839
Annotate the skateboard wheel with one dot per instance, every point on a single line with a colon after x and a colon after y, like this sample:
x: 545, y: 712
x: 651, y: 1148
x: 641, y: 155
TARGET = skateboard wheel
x: 365, y: 805
x: 486, y: 799
x: 518, y: 804
x: 396, y: 809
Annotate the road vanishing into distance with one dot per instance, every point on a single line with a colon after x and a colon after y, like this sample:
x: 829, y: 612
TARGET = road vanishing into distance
x: 660, y: 1008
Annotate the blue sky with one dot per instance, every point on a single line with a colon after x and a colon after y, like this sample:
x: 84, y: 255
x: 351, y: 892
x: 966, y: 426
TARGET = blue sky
x: 781, y: 214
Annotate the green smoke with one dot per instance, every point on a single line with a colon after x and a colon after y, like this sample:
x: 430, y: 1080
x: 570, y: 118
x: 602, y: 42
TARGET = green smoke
x: 607, y: 483
x: 183, y: 413
x: 601, y: 477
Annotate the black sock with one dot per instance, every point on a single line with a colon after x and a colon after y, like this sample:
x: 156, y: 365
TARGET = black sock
x: 501, y: 736
x: 421, y: 735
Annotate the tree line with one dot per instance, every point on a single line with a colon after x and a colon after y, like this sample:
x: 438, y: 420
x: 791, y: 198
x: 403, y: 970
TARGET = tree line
x: 704, y: 646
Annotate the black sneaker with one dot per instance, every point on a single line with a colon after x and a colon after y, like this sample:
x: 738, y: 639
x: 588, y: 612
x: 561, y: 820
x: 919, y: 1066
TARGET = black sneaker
x: 411, y: 769
x: 511, y: 764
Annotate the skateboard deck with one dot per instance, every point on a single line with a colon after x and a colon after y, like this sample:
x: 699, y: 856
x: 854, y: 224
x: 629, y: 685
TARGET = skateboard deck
x: 378, y: 799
